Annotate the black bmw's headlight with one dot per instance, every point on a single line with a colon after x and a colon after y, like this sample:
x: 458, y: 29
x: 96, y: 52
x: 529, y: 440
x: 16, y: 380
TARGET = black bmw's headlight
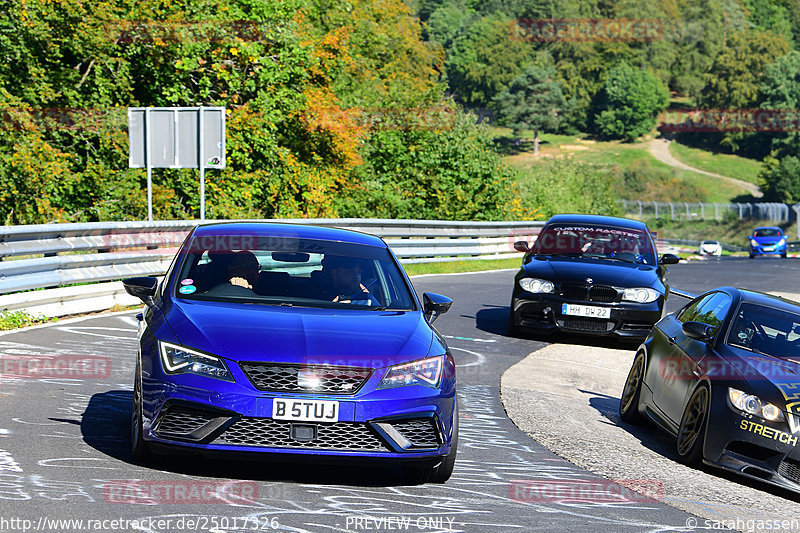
x: 535, y: 285
x: 642, y: 295
x: 177, y: 359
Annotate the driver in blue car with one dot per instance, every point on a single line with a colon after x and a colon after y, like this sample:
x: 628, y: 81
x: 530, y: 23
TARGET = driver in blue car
x: 345, y: 273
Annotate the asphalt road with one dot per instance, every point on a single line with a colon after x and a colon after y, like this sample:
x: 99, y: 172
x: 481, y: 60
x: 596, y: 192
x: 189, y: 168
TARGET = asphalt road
x: 64, y: 443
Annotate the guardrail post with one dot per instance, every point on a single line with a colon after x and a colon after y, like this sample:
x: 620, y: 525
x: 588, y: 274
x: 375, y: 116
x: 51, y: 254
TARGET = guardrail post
x: 702, y: 211
x: 655, y: 206
x: 671, y: 211
x: 716, y: 212
x: 640, y: 209
x: 687, y: 209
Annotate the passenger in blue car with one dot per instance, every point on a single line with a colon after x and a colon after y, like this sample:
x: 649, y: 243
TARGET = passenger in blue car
x: 345, y: 273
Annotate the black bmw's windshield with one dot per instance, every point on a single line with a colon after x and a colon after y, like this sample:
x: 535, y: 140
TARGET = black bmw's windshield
x: 593, y: 241
x: 766, y: 330
x: 291, y: 272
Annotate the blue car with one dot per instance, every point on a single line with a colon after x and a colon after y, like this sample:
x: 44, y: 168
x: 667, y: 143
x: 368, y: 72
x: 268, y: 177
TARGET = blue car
x: 767, y: 241
x: 296, y: 342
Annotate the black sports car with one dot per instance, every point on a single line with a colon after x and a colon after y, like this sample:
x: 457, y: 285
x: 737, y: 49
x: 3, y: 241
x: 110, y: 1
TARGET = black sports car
x: 588, y: 274
x: 722, y: 376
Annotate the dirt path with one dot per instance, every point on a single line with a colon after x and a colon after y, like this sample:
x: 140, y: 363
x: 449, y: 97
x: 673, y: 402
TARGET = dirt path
x: 660, y: 150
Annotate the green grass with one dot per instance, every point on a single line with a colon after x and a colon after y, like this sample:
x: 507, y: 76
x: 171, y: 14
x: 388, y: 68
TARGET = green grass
x: 740, y: 168
x: 730, y: 231
x: 416, y: 269
x: 624, y: 155
x: 20, y: 319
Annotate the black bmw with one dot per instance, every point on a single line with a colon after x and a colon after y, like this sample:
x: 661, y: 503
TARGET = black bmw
x: 722, y: 376
x: 593, y: 275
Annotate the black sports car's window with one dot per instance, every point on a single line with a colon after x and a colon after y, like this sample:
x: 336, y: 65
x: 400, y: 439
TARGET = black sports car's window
x: 768, y: 232
x: 290, y: 271
x: 710, y: 309
x: 596, y: 242
x: 766, y: 330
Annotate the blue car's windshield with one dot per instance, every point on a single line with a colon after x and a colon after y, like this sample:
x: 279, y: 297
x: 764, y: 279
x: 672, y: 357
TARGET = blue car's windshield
x: 291, y: 271
x: 766, y: 330
x: 593, y: 241
x: 768, y: 232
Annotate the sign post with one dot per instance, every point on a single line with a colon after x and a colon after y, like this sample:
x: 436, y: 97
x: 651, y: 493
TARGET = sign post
x: 176, y: 137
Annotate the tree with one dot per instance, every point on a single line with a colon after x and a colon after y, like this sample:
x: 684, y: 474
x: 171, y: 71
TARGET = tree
x: 533, y: 101
x: 780, y: 179
x: 483, y: 60
x: 780, y: 89
x: 629, y: 103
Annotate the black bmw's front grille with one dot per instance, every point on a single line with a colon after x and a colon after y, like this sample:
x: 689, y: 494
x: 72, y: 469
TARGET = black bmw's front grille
x: 790, y: 469
x: 278, y: 434
x: 306, y: 378
x: 420, y: 432
x: 585, y: 324
x: 593, y: 293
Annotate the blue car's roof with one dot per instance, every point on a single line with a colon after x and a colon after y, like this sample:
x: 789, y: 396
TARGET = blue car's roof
x: 768, y: 227
x: 278, y: 229
x: 598, y: 219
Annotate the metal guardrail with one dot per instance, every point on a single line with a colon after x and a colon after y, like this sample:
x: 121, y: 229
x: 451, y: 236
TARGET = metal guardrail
x: 104, y: 251
x: 706, y: 211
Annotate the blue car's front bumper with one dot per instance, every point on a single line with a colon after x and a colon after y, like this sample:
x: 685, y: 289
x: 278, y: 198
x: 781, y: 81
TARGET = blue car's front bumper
x: 768, y: 249
x: 209, y: 415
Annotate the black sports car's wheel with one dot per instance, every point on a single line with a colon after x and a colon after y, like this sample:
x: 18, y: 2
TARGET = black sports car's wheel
x: 629, y: 402
x: 139, y: 449
x: 692, y: 431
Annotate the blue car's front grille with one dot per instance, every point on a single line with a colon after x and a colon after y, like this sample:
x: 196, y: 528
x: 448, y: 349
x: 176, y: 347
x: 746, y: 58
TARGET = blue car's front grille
x: 306, y: 378
x: 278, y: 434
x: 421, y: 432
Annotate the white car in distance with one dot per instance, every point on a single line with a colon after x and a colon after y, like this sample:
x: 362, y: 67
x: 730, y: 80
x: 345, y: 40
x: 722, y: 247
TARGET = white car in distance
x: 710, y: 248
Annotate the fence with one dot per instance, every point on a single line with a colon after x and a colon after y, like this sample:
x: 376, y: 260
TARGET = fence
x: 705, y: 211
x: 70, y: 254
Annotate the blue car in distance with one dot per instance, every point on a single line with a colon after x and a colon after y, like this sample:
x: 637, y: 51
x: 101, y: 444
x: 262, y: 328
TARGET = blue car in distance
x: 767, y: 240
x: 288, y: 341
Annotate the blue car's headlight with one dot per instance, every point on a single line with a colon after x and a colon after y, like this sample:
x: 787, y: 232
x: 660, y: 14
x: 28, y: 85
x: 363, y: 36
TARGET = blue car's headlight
x: 643, y: 295
x: 180, y: 360
x: 781, y: 242
x: 426, y: 372
x: 753, y: 243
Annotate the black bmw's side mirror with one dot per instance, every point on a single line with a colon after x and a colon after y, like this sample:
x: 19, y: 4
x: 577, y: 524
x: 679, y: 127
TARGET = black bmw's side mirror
x: 434, y: 305
x: 522, y: 246
x: 142, y: 288
x: 698, y: 330
x: 669, y: 259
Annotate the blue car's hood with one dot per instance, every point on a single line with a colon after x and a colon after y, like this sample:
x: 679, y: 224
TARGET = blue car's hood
x: 253, y: 332
x: 767, y: 240
x: 602, y: 271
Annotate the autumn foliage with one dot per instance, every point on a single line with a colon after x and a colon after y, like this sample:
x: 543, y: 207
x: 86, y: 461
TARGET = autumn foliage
x: 315, y: 92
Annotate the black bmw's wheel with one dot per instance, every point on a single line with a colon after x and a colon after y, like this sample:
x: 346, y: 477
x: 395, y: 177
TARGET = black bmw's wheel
x: 691, y: 433
x: 513, y: 329
x: 139, y: 449
x: 629, y: 402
